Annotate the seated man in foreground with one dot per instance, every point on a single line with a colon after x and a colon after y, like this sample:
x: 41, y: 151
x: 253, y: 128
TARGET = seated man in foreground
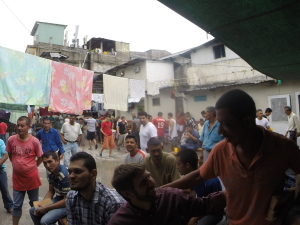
x: 161, y: 206
x: 187, y: 161
x: 89, y: 202
x: 57, y: 176
x: 250, y: 161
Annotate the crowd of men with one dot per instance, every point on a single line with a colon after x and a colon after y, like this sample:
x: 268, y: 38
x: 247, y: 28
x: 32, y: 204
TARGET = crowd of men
x: 241, y: 156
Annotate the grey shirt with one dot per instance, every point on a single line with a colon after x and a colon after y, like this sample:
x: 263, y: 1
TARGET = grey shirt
x: 91, y: 124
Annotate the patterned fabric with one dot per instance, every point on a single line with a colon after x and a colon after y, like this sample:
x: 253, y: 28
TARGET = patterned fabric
x: 24, y: 78
x: 71, y: 89
x: 103, y: 204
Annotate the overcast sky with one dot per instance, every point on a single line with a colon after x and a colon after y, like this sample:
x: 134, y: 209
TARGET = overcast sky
x: 145, y: 24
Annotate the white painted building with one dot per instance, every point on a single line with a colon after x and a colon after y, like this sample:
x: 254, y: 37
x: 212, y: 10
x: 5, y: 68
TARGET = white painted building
x: 155, y: 72
x: 201, y: 75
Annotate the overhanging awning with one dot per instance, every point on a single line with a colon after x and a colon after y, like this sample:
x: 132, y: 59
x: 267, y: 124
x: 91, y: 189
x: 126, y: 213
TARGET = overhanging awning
x: 264, y: 33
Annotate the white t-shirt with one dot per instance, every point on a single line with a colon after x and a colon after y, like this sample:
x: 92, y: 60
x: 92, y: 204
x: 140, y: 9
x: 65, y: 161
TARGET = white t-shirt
x: 71, y: 132
x: 91, y: 124
x: 137, y: 158
x: 263, y: 122
x: 147, y: 132
x: 174, y: 132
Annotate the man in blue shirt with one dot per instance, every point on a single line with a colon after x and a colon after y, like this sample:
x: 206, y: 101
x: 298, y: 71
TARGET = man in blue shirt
x: 7, y: 202
x: 59, y: 187
x: 192, y: 136
x: 50, y: 138
x: 210, y: 136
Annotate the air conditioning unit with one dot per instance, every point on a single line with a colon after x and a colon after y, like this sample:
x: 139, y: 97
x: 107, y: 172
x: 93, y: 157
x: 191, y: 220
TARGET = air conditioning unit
x: 136, y: 69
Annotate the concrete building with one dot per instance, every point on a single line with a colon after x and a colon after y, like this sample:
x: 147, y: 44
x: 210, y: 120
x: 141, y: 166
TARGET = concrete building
x: 202, y: 74
x: 156, y: 72
x: 96, y: 54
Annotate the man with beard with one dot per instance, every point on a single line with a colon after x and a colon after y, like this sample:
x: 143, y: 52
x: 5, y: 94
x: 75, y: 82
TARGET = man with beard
x: 147, y: 205
x: 251, y: 161
x: 89, y: 202
x: 147, y: 130
x: 161, y: 165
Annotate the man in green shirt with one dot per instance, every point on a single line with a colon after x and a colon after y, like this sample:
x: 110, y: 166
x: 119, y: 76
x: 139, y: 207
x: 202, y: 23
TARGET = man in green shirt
x: 161, y: 165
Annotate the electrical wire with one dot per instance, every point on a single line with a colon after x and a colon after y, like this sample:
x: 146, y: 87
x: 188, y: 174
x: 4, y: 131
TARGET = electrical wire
x: 15, y: 16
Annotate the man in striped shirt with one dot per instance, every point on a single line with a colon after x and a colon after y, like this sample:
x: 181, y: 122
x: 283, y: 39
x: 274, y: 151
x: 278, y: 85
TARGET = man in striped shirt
x: 59, y: 186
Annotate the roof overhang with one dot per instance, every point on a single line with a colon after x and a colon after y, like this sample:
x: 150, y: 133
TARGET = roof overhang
x: 264, y: 33
x: 123, y: 66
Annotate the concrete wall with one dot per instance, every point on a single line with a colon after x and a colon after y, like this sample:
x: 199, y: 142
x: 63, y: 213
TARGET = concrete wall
x: 160, y: 71
x: 259, y: 92
x: 205, y: 55
x: 225, y: 71
x: 129, y: 71
x: 122, y: 46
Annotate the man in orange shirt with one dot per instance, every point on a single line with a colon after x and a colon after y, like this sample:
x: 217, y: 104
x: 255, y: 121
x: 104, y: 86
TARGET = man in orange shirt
x: 250, y: 161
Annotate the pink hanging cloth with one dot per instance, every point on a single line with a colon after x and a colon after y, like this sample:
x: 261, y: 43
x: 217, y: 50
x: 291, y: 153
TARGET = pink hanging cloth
x: 71, y: 89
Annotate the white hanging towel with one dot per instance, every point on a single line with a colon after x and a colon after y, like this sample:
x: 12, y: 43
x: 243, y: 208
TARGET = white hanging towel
x: 152, y: 88
x: 98, y: 98
x: 116, y: 90
x: 137, y: 90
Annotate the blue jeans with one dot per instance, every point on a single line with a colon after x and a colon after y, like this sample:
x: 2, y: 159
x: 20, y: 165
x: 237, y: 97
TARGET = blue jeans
x: 51, y: 217
x: 69, y: 148
x: 7, y: 202
x: 3, y: 137
x: 18, y: 196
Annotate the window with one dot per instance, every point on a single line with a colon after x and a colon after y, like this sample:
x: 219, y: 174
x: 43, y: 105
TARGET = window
x: 156, y: 101
x: 219, y: 51
x: 200, y: 98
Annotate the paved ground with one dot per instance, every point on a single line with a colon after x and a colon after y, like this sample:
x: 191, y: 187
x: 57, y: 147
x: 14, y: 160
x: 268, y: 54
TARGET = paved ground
x: 105, y: 166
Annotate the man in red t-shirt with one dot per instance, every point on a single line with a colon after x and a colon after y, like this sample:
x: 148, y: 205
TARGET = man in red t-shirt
x: 3, y: 128
x: 25, y: 153
x: 160, y: 123
x: 108, y: 142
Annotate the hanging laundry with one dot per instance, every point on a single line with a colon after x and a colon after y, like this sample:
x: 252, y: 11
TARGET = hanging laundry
x: 115, y: 92
x: 71, y: 89
x: 152, y: 88
x: 98, y: 98
x: 24, y: 78
x: 137, y: 90
x: 14, y: 116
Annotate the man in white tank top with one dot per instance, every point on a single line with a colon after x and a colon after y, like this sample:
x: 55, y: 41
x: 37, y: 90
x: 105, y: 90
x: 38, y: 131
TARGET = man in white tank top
x: 172, y: 131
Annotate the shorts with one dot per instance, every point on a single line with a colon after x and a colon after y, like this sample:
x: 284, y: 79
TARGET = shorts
x: 108, y: 142
x: 90, y: 135
x: 180, y: 128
